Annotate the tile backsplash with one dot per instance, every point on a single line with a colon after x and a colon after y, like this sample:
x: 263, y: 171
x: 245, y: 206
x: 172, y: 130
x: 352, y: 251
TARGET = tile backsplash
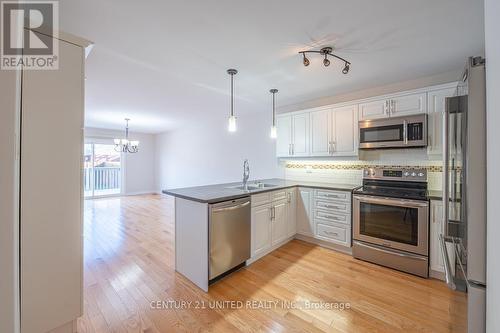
x: 351, y: 172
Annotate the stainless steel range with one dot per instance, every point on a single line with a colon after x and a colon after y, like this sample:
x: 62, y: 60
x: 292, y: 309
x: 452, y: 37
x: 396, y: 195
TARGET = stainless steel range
x: 391, y: 219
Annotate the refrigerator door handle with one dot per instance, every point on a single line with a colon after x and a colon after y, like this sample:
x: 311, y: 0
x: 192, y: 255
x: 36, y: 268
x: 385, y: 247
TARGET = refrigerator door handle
x: 450, y: 281
x: 446, y: 166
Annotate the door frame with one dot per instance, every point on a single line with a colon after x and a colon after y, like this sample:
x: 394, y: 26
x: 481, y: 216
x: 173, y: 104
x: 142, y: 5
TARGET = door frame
x: 107, y: 141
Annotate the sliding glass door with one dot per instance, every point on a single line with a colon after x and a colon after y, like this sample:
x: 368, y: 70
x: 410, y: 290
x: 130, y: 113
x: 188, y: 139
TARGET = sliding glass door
x: 102, y: 170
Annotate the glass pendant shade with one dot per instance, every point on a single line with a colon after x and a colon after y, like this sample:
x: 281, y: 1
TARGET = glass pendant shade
x: 231, y: 127
x: 274, y: 132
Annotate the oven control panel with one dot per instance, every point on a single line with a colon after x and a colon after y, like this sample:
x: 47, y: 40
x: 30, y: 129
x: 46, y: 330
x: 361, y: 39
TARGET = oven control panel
x: 402, y: 174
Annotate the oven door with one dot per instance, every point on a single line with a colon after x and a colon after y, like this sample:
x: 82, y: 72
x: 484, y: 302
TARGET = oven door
x: 394, y: 223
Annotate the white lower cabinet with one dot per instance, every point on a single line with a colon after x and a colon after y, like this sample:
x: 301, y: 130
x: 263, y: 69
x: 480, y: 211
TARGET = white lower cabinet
x: 291, y: 212
x: 272, y: 221
x: 436, y: 228
x: 261, y: 230
x: 304, y: 215
x: 279, y: 221
x: 332, y: 216
x: 279, y: 215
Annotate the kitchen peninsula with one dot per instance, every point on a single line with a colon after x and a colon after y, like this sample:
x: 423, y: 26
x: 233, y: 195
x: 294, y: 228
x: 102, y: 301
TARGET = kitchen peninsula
x: 266, y: 215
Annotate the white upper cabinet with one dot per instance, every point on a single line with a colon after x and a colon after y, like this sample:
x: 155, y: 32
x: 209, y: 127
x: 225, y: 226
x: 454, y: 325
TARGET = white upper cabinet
x: 393, y: 106
x: 321, y: 132
x: 293, y: 135
x: 435, y: 109
x: 284, y: 138
x: 332, y: 130
x: 300, y: 134
x: 374, y: 110
x: 344, y: 134
x: 408, y: 105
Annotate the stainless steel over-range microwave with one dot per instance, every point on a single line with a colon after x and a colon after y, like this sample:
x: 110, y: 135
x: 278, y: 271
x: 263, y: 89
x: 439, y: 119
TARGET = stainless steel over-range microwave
x: 397, y: 132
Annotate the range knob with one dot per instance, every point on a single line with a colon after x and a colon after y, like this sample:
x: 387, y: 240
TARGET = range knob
x: 367, y: 172
x: 421, y: 174
x: 406, y: 174
x: 413, y: 174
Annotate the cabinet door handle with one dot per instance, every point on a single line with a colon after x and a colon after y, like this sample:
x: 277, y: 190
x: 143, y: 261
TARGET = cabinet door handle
x: 325, y: 216
x: 391, y: 109
x: 331, y: 233
x: 333, y: 207
x: 293, y: 149
x: 332, y: 196
x: 386, y: 107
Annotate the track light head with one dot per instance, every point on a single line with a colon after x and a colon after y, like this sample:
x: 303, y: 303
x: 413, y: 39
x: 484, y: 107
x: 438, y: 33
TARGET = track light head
x: 305, y: 61
x: 346, y: 68
x: 326, y: 62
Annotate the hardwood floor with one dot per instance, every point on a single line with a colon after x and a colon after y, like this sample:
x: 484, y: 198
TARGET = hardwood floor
x: 129, y: 266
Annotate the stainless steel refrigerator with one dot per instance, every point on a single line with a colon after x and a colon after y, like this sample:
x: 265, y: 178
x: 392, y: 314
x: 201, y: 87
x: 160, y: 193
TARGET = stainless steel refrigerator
x: 463, y: 242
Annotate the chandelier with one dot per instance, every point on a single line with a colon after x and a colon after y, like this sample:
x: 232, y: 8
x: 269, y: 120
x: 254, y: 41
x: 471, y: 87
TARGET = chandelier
x: 126, y: 145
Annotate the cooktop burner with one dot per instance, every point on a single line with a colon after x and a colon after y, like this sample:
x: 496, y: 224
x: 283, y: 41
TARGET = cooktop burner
x: 395, y: 183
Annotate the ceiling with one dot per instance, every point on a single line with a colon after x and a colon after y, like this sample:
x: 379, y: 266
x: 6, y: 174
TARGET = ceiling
x: 163, y: 63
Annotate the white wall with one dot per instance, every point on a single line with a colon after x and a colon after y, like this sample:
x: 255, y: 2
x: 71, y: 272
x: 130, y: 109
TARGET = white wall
x: 206, y: 153
x: 139, y: 167
x: 492, y: 27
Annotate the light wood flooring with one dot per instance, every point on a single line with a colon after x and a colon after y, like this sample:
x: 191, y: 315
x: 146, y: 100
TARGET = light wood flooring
x: 129, y: 263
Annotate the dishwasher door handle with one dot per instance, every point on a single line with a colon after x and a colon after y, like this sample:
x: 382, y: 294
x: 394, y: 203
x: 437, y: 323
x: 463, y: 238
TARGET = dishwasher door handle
x: 224, y: 209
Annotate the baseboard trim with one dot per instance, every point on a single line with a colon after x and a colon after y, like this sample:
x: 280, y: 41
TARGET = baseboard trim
x: 436, y: 275
x: 140, y: 193
x: 271, y: 249
x: 325, y: 244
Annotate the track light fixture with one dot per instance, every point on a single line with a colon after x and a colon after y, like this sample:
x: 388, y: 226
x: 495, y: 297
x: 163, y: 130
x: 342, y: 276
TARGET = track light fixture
x: 305, y: 61
x: 346, y: 68
x: 326, y: 51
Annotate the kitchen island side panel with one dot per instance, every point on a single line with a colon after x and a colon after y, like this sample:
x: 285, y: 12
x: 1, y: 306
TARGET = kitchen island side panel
x: 191, y: 241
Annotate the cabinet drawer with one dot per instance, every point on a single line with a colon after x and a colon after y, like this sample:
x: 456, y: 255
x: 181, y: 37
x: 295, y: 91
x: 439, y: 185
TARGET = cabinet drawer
x: 327, y: 217
x: 278, y: 195
x: 333, y: 195
x: 337, y: 234
x: 330, y: 206
x: 261, y: 199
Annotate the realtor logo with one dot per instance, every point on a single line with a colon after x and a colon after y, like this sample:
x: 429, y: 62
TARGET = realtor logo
x: 29, y: 33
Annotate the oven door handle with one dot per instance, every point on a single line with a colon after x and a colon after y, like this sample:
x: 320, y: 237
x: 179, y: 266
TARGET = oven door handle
x: 396, y: 202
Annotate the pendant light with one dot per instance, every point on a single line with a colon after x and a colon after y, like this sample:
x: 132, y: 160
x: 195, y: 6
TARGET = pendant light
x: 274, y: 131
x: 232, y: 119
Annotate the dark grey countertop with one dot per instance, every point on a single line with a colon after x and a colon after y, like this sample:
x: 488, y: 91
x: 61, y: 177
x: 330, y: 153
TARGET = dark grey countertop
x: 223, y: 192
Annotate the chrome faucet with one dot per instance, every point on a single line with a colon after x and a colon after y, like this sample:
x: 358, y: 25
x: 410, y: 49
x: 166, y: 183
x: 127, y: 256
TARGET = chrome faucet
x: 246, y: 174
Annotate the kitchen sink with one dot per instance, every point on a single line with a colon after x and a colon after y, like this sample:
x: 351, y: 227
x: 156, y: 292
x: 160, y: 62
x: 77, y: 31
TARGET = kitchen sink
x: 264, y: 185
x: 254, y: 186
x: 249, y: 187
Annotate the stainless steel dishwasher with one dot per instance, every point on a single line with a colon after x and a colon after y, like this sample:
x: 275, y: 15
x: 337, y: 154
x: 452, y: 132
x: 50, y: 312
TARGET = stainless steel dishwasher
x: 229, y: 235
